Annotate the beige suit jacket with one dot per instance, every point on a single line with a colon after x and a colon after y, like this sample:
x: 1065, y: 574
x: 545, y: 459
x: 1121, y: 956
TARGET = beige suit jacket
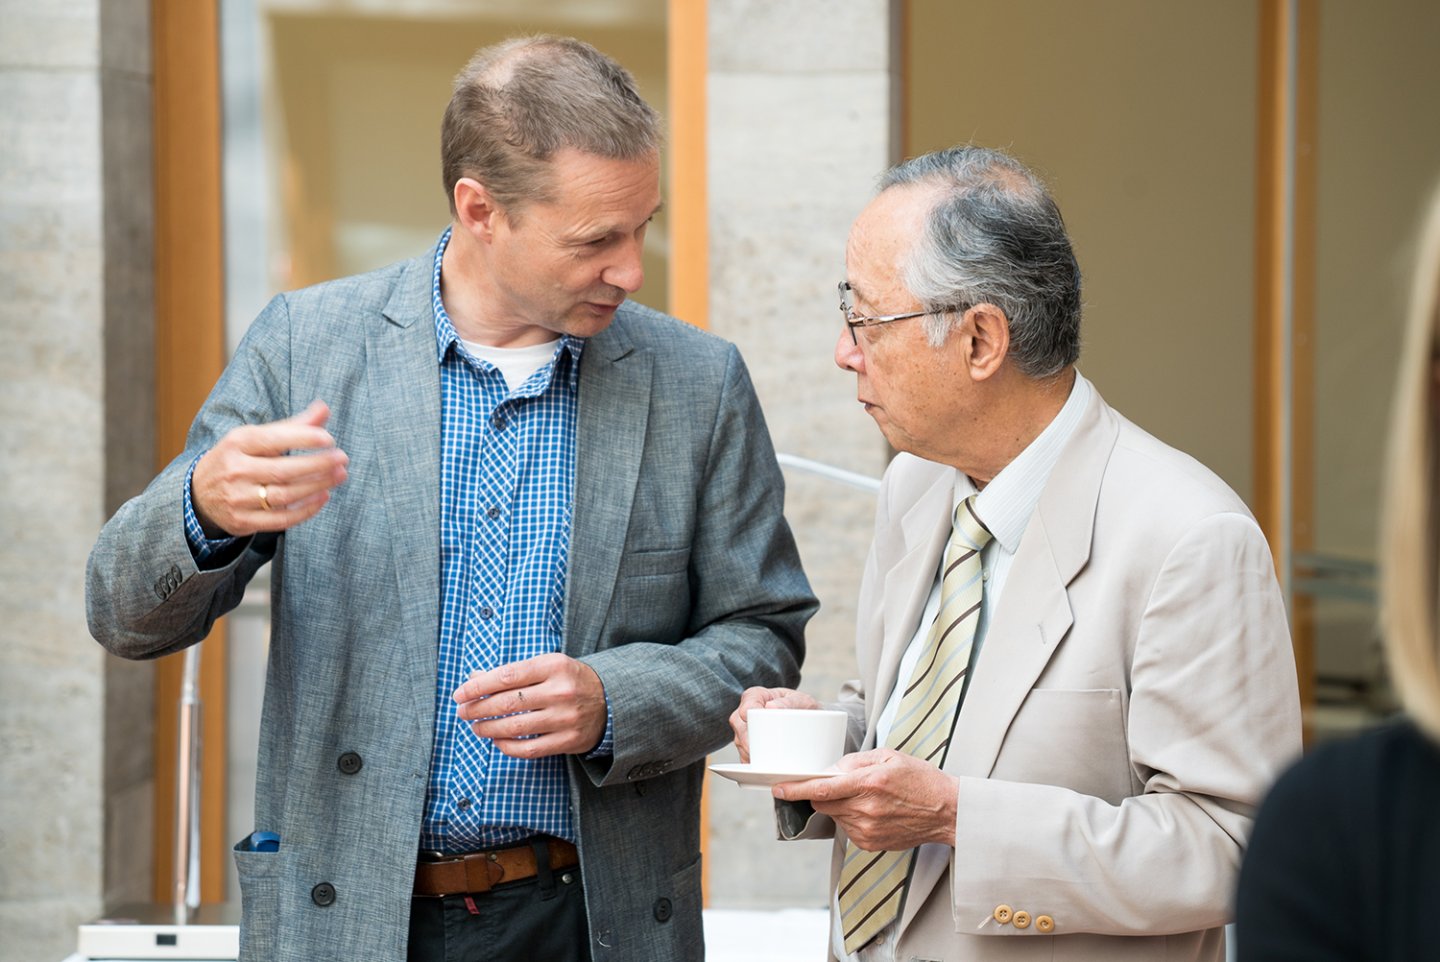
x: 1134, y: 698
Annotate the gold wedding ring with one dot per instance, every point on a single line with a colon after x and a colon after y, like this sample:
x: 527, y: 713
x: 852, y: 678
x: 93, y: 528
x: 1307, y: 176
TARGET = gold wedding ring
x: 260, y: 493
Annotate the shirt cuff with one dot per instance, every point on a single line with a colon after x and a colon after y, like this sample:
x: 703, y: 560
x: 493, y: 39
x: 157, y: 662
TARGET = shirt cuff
x: 606, y: 748
x: 201, y: 547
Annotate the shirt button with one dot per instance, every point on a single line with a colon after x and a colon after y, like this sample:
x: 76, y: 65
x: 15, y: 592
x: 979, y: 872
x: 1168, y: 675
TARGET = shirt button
x: 487, y: 612
x: 463, y: 804
x: 984, y: 574
x: 492, y: 513
x: 498, y: 422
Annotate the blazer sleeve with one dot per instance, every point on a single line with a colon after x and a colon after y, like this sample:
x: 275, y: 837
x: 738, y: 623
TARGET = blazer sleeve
x: 749, y: 604
x: 145, y: 596
x: 1213, y: 716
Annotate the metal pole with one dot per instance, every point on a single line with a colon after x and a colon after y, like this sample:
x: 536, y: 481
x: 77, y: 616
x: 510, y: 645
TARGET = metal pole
x: 861, y: 481
x: 187, y: 791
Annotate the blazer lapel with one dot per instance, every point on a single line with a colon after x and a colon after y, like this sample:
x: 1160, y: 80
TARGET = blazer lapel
x: 404, y: 391
x: 614, y: 409
x: 1033, y: 617
x: 924, y: 530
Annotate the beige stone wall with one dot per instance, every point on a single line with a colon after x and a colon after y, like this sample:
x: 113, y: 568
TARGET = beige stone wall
x: 76, y: 436
x: 800, y: 100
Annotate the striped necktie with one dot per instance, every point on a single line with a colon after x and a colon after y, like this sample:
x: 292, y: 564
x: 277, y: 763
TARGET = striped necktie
x: 872, y: 884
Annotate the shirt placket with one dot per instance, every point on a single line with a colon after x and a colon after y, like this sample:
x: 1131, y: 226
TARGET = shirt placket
x: 486, y: 602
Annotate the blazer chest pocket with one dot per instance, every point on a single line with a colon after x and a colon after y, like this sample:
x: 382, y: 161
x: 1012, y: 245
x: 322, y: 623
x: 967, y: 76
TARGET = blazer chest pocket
x: 1074, y: 738
x: 652, y: 595
x: 661, y: 563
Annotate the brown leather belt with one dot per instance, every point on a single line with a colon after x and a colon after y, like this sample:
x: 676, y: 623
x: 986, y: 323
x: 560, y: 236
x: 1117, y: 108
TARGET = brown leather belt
x: 477, y: 872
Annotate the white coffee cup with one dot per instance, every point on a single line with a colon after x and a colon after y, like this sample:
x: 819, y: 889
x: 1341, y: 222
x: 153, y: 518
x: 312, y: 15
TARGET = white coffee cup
x: 795, y: 740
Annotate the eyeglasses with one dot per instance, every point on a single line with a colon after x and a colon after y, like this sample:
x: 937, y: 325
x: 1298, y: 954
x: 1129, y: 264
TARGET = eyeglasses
x: 853, y: 320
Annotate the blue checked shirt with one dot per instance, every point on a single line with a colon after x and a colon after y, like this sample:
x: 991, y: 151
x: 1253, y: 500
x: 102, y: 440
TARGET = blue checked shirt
x: 507, y: 462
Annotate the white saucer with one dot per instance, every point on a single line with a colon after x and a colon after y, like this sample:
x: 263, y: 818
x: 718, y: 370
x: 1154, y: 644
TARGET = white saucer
x: 750, y: 777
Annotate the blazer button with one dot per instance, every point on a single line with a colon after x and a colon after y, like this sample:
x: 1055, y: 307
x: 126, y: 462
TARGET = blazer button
x: 168, y: 582
x: 350, y: 763
x: 663, y: 910
x: 1022, y: 920
x: 1002, y: 914
x: 323, y: 894
x: 1044, y: 923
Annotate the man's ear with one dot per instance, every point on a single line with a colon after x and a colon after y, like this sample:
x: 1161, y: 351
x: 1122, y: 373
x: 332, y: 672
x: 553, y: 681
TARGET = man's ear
x: 476, y: 210
x: 989, y: 331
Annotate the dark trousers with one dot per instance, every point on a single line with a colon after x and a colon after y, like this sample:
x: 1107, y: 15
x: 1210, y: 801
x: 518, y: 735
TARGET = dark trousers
x: 534, y: 919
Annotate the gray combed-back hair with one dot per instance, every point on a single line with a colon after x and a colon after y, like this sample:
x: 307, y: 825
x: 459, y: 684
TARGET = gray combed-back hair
x: 995, y: 235
x: 520, y: 101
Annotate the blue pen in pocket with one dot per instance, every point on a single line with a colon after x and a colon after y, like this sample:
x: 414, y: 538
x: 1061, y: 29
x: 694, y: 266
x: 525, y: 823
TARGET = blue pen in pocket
x: 259, y: 842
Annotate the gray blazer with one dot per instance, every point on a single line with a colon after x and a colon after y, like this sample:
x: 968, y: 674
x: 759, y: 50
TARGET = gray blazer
x: 683, y: 589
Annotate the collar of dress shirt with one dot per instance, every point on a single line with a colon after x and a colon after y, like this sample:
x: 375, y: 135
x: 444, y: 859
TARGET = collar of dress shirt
x: 446, y: 339
x: 1010, y: 498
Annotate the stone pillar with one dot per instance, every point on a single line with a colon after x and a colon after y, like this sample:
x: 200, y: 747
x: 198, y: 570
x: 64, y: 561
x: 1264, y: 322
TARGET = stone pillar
x: 76, y: 438
x: 802, y: 119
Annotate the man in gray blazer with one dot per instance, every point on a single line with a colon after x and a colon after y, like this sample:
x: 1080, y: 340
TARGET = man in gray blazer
x: 527, y: 551
x: 1098, y: 676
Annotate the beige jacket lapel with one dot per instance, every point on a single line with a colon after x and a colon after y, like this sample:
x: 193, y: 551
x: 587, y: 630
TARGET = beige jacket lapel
x: 1033, y: 617
x: 923, y: 528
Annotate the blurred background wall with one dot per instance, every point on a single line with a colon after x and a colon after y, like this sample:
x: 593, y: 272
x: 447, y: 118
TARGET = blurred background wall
x: 77, y: 427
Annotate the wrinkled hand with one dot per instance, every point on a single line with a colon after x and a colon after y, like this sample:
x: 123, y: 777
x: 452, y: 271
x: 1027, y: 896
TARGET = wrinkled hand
x: 764, y: 698
x: 547, y: 705
x: 885, y: 801
x: 225, y: 488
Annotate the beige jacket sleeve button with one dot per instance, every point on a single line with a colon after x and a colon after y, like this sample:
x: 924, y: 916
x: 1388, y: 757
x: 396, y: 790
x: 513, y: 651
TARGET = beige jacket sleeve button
x: 1044, y: 923
x: 1002, y: 914
x: 1022, y: 920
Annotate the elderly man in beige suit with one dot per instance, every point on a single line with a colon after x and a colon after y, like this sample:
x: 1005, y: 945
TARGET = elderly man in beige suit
x: 1076, y: 678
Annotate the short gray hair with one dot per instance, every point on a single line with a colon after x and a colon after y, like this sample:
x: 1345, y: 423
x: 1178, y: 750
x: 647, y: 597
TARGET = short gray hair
x: 994, y: 235
x: 518, y: 102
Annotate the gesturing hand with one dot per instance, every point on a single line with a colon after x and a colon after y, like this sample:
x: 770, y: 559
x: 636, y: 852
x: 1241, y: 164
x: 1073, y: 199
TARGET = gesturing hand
x: 547, y: 705
x: 249, y: 481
